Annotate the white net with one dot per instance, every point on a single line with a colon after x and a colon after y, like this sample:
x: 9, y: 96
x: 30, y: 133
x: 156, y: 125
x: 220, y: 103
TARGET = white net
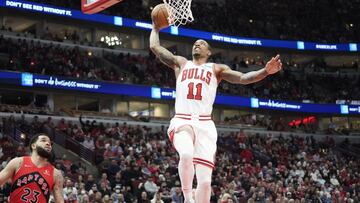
x: 179, y: 12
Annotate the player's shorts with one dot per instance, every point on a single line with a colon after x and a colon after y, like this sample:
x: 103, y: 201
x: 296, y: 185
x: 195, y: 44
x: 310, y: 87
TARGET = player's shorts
x: 205, y: 136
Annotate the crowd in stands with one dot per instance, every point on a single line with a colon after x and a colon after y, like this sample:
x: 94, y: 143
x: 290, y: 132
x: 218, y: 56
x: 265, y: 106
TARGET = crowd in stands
x: 139, y: 164
x: 29, y: 109
x: 269, y: 122
x: 66, y: 36
x: 51, y: 59
x: 321, y: 21
x: 288, y: 86
x: 41, y: 58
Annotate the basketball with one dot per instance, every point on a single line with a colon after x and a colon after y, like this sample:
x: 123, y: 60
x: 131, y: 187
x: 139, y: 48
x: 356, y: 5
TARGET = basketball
x: 159, y: 16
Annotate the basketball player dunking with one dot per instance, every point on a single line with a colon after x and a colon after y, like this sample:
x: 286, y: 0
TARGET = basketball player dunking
x: 192, y: 130
x: 33, y: 178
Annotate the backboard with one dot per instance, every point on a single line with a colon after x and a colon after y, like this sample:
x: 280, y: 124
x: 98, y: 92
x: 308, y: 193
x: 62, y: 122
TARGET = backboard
x: 95, y: 6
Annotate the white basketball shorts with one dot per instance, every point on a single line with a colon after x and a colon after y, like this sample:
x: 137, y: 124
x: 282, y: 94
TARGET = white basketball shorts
x: 205, y: 136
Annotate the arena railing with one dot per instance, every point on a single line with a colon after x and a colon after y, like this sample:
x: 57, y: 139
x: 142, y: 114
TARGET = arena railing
x: 70, y: 143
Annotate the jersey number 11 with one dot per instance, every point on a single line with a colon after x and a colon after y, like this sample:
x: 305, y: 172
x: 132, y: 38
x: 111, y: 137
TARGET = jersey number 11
x: 191, y: 95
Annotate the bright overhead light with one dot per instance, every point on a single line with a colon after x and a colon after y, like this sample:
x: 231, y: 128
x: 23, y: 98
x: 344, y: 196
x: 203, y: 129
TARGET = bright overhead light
x: 111, y: 40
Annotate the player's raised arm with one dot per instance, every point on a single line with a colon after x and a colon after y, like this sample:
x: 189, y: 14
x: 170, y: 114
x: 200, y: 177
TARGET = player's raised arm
x: 160, y: 20
x: 10, y: 170
x: 162, y: 53
x: 272, y: 67
x: 58, y: 187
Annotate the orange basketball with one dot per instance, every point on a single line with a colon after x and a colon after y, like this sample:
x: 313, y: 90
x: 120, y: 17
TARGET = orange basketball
x: 159, y: 16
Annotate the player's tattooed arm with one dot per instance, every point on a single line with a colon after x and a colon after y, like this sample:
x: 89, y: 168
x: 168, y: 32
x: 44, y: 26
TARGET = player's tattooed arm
x: 237, y: 77
x: 163, y: 54
x: 273, y: 66
x: 58, y: 187
x: 10, y: 169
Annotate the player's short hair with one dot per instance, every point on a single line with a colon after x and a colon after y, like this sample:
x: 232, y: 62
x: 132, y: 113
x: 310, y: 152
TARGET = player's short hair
x: 209, y: 47
x: 35, y: 139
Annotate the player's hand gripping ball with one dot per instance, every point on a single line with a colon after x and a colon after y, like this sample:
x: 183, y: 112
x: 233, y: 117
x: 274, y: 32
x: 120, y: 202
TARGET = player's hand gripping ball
x: 160, y: 17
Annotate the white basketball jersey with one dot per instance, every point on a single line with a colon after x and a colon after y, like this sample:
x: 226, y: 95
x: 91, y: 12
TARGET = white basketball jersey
x: 196, y: 89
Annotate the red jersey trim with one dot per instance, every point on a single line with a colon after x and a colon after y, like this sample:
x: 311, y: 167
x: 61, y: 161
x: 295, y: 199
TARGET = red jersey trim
x: 191, y: 117
x: 203, y: 160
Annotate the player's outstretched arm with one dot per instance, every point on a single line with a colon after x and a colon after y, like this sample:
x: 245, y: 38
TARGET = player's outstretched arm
x: 58, y: 187
x: 10, y: 170
x: 272, y: 67
x: 163, y: 54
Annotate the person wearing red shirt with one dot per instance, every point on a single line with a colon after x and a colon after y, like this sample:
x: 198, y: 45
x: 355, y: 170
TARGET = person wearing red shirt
x: 33, y: 178
x: 62, y: 126
x: 247, y: 155
x: 241, y: 139
x: 249, y: 169
x: 257, y: 168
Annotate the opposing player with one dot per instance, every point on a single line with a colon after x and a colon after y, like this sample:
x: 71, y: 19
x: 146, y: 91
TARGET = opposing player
x: 33, y: 178
x: 192, y: 130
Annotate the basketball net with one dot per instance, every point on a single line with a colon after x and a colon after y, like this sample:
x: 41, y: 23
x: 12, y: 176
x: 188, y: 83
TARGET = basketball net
x: 179, y: 12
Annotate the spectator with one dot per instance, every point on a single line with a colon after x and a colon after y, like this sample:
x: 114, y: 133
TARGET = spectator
x: 107, y: 199
x: 90, y: 182
x: 62, y: 126
x: 83, y: 197
x: 247, y: 155
x: 98, y: 197
x: 150, y: 186
x: 70, y: 192
x: 177, y: 196
x: 113, y: 169
x: 157, y: 198
x: 104, y: 189
x: 105, y: 181
x: 117, y: 181
x: 89, y: 143
x: 143, y: 198
x: 116, y: 196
